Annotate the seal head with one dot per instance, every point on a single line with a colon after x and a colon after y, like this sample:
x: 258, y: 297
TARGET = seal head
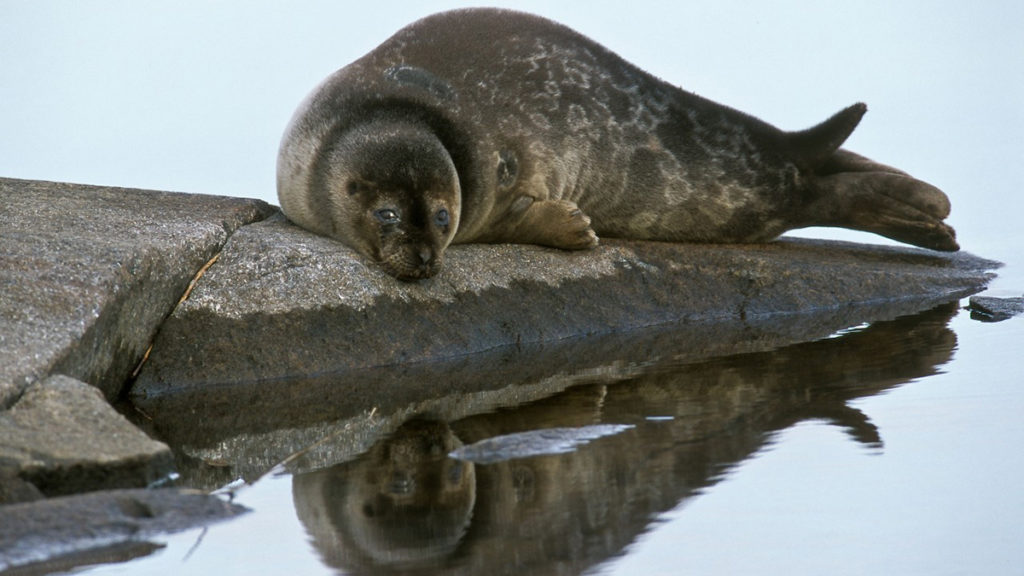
x: 388, y: 189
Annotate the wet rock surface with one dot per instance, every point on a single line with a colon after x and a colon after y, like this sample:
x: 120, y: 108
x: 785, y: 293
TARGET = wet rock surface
x: 88, y: 273
x: 282, y: 303
x: 62, y: 437
x: 312, y: 339
x: 61, y: 533
x: 313, y: 421
x: 993, y: 309
x: 328, y: 354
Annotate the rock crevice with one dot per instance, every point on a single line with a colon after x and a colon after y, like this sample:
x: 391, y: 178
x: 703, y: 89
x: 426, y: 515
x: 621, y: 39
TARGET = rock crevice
x: 87, y: 276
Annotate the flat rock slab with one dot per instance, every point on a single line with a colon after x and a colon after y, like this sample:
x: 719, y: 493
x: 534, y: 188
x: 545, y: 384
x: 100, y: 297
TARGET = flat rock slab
x: 61, y: 533
x: 88, y: 273
x: 282, y: 303
x: 63, y: 437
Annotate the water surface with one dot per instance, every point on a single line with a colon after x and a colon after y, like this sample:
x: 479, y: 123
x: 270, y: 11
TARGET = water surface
x: 889, y: 448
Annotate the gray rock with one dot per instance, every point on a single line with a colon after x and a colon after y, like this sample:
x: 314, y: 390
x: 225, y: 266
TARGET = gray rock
x: 88, y: 273
x: 62, y: 437
x: 282, y: 303
x: 61, y: 533
x: 993, y: 309
x: 310, y: 338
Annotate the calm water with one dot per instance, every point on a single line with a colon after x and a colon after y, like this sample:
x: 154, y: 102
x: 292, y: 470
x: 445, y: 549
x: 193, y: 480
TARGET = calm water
x: 893, y: 448
x: 889, y: 449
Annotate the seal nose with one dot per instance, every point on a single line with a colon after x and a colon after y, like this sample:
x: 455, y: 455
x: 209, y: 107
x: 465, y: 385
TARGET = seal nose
x: 426, y: 254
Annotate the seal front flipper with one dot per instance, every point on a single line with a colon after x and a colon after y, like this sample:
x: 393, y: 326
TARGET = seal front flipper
x: 555, y: 223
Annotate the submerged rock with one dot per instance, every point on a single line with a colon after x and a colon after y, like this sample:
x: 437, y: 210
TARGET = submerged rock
x: 61, y: 533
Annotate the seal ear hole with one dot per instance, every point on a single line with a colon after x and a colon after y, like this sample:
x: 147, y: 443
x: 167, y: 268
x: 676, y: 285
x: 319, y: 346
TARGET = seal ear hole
x: 508, y: 169
x: 352, y: 187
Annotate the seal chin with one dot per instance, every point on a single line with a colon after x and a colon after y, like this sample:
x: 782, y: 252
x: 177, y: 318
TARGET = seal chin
x: 410, y: 263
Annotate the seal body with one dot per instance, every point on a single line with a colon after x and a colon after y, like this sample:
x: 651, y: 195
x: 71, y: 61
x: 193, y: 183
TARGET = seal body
x: 487, y: 125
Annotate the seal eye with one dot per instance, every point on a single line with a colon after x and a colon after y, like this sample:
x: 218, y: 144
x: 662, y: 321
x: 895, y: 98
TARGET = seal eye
x: 442, y: 219
x: 387, y: 216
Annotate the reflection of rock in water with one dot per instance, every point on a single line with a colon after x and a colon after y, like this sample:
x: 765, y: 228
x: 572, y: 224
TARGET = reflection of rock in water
x: 541, y: 442
x: 403, y: 504
x: 562, y: 514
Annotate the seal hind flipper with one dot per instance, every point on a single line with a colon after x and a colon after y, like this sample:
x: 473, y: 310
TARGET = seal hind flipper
x: 813, y: 146
x: 846, y: 161
x: 855, y: 192
x: 885, y: 202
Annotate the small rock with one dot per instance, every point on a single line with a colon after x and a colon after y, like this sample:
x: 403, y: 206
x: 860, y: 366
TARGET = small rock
x: 37, y: 535
x: 62, y: 437
x: 991, y: 309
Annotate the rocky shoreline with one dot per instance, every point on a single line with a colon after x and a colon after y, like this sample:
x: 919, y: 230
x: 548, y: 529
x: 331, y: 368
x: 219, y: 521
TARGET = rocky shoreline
x: 93, y: 310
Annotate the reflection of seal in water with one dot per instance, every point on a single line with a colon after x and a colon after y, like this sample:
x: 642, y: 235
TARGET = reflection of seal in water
x: 486, y: 125
x: 403, y: 504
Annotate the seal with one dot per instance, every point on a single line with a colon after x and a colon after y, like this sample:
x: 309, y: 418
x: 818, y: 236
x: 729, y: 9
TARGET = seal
x: 488, y: 125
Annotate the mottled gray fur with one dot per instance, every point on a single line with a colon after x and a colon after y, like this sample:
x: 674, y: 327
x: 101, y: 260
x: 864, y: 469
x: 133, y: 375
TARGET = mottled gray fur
x: 553, y: 138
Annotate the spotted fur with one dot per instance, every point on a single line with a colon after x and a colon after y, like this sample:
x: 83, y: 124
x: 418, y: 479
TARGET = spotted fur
x: 547, y: 137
